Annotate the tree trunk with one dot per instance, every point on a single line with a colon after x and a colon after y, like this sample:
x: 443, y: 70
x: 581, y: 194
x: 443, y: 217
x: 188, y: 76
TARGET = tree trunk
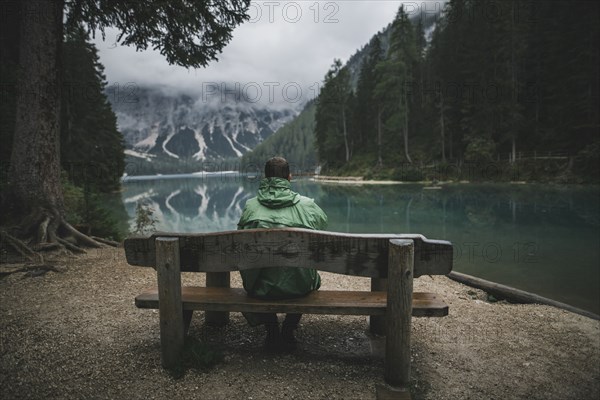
x: 36, y: 196
x: 379, y: 138
x: 345, y: 132
x: 513, y: 157
x: 405, y: 129
x: 514, y: 87
x: 450, y: 145
x: 442, y: 127
x: 35, y: 162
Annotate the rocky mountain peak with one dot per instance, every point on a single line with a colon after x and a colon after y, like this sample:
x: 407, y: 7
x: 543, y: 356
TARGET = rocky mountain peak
x: 182, y: 126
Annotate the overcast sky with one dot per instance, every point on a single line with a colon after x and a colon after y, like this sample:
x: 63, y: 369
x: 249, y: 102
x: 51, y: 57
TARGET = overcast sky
x: 287, y: 42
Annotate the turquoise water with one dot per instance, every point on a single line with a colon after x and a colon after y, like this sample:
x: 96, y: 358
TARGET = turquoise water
x: 539, y: 238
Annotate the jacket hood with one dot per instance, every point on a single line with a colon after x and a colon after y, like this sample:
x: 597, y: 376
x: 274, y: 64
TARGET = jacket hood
x: 276, y: 193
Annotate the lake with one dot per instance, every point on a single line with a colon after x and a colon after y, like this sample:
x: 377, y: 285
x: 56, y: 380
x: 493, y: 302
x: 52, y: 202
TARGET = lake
x: 540, y: 238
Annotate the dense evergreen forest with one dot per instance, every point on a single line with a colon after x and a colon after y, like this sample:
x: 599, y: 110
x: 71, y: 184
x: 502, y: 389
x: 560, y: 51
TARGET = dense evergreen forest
x: 92, y: 158
x: 501, y: 91
x: 488, y: 88
x: 295, y: 140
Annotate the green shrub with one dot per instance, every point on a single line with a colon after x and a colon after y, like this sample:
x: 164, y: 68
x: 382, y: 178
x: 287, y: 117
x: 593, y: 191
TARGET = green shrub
x: 145, y: 222
x: 480, y: 149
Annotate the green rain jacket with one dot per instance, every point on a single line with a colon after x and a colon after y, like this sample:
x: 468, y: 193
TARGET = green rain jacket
x: 277, y: 206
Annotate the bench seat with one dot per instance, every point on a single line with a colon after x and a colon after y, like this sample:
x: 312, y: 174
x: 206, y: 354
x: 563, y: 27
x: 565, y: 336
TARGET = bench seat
x: 318, y: 302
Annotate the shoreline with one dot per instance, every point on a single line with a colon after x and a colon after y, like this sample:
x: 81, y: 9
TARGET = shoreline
x: 358, y: 180
x: 345, y: 180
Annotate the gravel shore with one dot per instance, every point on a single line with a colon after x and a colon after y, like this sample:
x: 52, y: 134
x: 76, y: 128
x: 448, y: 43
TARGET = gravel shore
x: 76, y: 334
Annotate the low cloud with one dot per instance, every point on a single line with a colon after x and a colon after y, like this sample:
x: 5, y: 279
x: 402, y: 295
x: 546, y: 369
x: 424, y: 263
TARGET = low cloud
x: 281, y: 54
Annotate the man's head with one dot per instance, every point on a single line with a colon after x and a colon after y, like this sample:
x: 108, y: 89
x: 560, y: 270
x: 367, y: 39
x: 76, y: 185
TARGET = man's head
x: 277, y: 167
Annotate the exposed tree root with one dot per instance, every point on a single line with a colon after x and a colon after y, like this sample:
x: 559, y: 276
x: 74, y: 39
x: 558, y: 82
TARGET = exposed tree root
x: 105, y: 241
x: 48, y: 247
x: 80, y: 237
x: 70, y: 246
x: 31, y: 270
x: 44, y: 229
x: 42, y: 234
x: 21, y: 248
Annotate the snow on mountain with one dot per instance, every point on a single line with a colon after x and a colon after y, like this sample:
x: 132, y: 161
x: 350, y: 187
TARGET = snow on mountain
x: 185, y: 127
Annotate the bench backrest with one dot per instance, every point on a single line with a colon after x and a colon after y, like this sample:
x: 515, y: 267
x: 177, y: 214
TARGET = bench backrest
x: 343, y: 253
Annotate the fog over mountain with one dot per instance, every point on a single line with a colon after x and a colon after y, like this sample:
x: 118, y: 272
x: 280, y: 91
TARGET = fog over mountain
x: 283, y: 42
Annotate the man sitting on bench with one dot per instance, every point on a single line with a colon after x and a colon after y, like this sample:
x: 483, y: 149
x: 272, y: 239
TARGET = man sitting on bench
x: 277, y: 206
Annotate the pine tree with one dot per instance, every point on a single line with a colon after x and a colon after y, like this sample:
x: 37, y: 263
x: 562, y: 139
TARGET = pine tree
x: 366, y: 102
x: 396, y: 79
x: 91, y: 146
x: 332, y: 116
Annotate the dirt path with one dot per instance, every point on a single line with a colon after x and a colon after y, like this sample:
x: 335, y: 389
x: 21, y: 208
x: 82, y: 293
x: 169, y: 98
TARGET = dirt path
x: 76, y: 334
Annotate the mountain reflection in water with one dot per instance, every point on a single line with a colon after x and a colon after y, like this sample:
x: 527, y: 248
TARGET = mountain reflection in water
x: 543, y: 239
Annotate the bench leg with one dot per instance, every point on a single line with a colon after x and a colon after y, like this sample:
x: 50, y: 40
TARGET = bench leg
x: 217, y: 279
x: 399, y: 313
x: 377, y: 322
x: 169, y: 301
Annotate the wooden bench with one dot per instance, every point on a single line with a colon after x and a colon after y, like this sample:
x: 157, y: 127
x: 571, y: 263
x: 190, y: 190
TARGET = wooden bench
x: 390, y: 260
